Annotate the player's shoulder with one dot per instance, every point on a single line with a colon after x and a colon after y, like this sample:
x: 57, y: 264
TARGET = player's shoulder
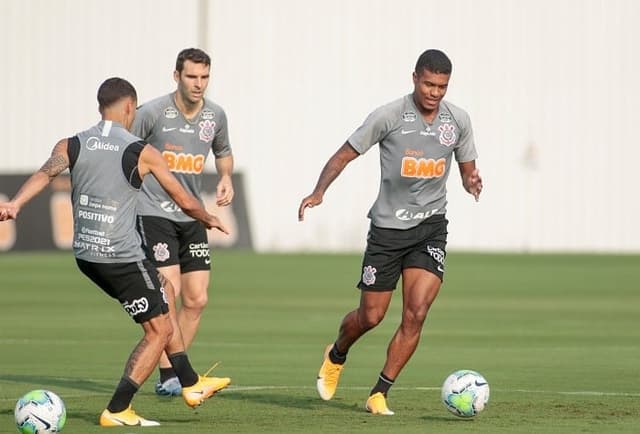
x: 212, y: 108
x: 157, y: 105
x: 447, y: 108
x: 394, y: 110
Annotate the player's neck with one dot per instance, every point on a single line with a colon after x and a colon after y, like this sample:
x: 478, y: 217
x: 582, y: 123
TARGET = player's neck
x: 188, y: 109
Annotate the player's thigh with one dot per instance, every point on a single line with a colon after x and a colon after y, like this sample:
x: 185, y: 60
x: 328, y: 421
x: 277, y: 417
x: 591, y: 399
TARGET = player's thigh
x: 420, y: 288
x: 134, y: 284
x: 195, y: 288
x: 172, y: 273
x: 160, y: 240
x: 195, y: 254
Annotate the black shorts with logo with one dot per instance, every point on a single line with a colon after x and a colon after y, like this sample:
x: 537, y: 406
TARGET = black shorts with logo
x: 169, y: 243
x: 135, y: 285
x: 389, y: 251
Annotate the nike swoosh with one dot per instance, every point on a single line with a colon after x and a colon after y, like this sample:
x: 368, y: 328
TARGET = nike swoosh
x: 124, y: 422
x: 440, y: 269
x: 47, y: 425
x: 479, y: 383
x: 207, y: 261
x: 407, y: 131
x: 165, y: 129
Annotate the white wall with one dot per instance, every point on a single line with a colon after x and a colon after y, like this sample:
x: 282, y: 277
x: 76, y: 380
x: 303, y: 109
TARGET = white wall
x: 550, y: 85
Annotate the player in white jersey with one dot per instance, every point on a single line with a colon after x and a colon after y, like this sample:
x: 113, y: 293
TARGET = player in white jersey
x: 419, y: 135
x: 107, y: 164
x: 184, y: 127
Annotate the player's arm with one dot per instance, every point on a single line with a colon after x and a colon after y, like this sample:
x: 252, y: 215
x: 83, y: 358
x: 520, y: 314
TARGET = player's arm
x: 330, y: 172
x: 151, y: 161
x: 55, y: 164
x: 224, y: 189
x: 471, y: 180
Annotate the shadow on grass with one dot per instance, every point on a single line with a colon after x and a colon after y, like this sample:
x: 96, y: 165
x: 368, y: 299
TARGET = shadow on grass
x: 56, y: 382
x: 287, y: 401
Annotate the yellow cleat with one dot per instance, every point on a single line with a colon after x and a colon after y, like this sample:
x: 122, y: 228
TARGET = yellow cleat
x: 328, y: 376
x: 205, y: 388
x: 377, y: 404
x: 126, y: 417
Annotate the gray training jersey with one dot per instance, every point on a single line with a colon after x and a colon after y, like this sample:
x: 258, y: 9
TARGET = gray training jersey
x: 105, y: 188
x: 185, y: 146
x: 415, y: 159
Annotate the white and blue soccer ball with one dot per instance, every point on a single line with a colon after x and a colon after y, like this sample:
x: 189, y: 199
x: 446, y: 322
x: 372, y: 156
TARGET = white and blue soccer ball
x: 40, y: 412
x: 465, y: 393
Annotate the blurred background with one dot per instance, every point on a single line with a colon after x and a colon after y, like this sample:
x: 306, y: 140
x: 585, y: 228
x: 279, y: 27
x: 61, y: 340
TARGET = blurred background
x: 550, y: 86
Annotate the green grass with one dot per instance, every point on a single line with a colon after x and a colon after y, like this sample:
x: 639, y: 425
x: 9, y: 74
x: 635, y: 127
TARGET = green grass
x: 556, y: 336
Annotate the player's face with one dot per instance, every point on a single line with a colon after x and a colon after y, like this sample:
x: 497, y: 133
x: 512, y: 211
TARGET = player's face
x: 192, y: 81
x: 428, y: 89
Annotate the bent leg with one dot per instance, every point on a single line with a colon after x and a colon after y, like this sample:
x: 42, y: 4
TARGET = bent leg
x: 419, y: 290
x: 372, y: 309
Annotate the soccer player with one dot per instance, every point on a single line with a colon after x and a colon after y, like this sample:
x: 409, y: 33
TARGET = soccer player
x: 183, y: 126
x: 419, y: 135
x: 107, y: 165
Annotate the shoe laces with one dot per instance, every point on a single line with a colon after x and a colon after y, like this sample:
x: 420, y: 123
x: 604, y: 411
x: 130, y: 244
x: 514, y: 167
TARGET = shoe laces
x: 215, y: 365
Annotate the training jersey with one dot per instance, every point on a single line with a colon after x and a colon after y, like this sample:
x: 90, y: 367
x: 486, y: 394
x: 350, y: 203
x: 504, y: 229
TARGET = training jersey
x: 105, y: 186
x: 415, y: 159
x: 185, y: 145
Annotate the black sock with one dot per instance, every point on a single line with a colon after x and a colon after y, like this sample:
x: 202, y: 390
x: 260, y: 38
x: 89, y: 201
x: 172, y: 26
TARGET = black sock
x: 182, y: 367
x: 123, y: 395
x: 383, y: 385
x: 336, y: 356
x: 166, y: 373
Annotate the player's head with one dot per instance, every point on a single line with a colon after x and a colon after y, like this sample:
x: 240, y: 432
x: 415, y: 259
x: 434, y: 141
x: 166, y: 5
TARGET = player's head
x: 117, y: 94
x: 431, y: 80
x: 192, y: 75
x: 434, y: 61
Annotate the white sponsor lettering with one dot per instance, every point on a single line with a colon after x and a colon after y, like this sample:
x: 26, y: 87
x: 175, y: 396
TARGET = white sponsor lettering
x: 95, y: 144
x: 95, y: 216
x: 136, y: 307
x: 94, y: 239
x: 406, y: 215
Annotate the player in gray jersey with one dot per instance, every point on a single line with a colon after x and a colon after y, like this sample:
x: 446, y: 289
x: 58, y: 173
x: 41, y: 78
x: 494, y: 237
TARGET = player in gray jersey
x: 107, y: 165
x: 184, y: 127
x: 419, y: 136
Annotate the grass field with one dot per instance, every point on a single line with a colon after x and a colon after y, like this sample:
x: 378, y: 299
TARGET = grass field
x: 556, y: 336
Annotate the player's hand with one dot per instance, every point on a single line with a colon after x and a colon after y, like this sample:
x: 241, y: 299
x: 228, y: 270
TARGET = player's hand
x: 473, y: 184
x: 8, y: 211
x: 224, y: 191
x: 308, y: 202
x: 214, y: 222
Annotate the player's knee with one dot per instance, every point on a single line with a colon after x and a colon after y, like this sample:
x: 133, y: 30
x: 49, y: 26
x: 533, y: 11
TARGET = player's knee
x: 370, y: 318
x: 196, y: 301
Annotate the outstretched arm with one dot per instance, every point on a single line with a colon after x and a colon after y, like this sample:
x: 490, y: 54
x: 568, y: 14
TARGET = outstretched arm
x: 330, y: 172
x: 56, y: 164
x: 151, y: 161
x: 224, y: 189
x: 471, y: 179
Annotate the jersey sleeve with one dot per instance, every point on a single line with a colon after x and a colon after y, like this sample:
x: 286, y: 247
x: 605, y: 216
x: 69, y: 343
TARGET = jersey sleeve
x: 375, y: 127
x: 130, y: 163
x: 143, y: 122
x: 220, y: 145
x: 465, y: 149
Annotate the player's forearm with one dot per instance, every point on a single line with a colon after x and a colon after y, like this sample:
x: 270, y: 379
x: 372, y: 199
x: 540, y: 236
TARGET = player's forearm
x: 224, y: 166
x: 31, y: 188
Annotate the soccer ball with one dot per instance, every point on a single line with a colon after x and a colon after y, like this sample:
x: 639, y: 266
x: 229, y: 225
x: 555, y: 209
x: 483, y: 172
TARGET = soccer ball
x: 465, y: 393
x: 40, y: 412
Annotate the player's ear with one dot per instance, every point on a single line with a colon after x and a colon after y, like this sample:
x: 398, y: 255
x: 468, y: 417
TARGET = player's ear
x: 176, y: 76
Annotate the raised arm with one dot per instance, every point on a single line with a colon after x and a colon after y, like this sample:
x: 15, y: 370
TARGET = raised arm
x: 151, y: 161
x: 55, y: 164
x: 330, y: 172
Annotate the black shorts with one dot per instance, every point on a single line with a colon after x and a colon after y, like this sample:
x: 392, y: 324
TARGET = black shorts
x: 135, y: 285
x: 389, y: 251
x: 169, y: 243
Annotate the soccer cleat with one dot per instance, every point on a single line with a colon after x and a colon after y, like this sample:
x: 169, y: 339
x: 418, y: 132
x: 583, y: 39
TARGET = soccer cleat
x: 126, y: 417
x: 171, y: 387
x: 205, y: 388
x: 328, y: 376
x: 377, y: 404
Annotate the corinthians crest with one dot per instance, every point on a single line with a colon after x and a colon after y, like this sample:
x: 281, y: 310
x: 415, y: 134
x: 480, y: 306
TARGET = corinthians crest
x: 447, y: 134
